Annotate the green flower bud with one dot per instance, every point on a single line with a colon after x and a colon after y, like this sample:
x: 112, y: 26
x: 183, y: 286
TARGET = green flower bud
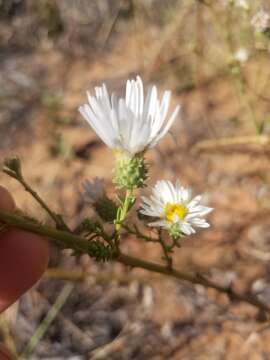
x: 106, y: 209
x: 175, y: 231
x: 12, y: 167
x: 130, y: 172
x: 95, y: 195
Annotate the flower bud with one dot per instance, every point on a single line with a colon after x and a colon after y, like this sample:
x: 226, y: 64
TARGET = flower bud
x: 95, y: 195
x: 12, y: 167
x: 106, y: 209
x: 130, y: 172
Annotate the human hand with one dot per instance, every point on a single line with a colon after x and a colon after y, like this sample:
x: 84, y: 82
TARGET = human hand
x: 23, y: 258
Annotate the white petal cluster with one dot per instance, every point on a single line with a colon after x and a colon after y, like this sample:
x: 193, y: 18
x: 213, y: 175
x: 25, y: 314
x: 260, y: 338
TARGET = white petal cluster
x: 173, y: 205
x: 131, y: 124
x: 242, y: 4
x: 93, y: 190
x: 261, y: 21
x: 241, y: 55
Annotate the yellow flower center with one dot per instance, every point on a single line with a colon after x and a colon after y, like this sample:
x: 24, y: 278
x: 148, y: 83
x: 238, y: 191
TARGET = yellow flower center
x: 172, y: 210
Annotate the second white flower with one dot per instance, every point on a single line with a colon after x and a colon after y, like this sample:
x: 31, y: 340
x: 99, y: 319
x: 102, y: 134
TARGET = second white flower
x: 175, y: 209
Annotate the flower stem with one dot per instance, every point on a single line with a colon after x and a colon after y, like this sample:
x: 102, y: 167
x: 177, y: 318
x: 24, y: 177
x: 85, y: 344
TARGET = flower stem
x: 165, y: 250
x: 138, y: 233
x: 124, y: 209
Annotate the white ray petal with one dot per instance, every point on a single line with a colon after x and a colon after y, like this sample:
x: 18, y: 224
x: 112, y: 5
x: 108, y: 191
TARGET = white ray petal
x: 133, y: 123
x: 166, y: 128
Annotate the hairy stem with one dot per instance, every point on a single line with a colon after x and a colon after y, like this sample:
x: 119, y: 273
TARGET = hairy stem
x: 193, y: 278
x: 70, y: 240
x: 76, y: 242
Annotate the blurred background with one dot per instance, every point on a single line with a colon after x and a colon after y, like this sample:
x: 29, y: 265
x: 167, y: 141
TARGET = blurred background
x: 214, y: 56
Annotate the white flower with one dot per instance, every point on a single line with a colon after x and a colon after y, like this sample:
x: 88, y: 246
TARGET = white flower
x: 174, y: 207
x: 244, y: 4
x: 94, y: 190
x: 131, y: 124
x: 241, y: 55
x: 261, y: 21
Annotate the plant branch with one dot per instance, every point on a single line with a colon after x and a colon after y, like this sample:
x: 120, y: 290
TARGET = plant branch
x: 138, y: 233
x: 193, y: 278
x: 55, y: 217
x: 80, y: 244
x: 12, y: 168
x: 165, y: 250
x: 59, y: 237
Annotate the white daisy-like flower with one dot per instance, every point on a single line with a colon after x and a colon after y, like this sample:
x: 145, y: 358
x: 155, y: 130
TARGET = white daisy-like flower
x: 241, y: 55
x: 261, y: 21
x: 242, y: 4
x: 94, y: 190
x: 175, y: 208
x: 131, y: 124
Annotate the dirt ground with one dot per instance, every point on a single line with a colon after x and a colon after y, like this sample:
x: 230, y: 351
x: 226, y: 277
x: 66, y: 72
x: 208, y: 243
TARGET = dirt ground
x: 112, y: 313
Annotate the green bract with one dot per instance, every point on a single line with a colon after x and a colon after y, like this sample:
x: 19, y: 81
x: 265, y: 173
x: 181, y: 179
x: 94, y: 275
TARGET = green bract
x: 130, y: 172
x: 175, y: 231
x: 106, y: 209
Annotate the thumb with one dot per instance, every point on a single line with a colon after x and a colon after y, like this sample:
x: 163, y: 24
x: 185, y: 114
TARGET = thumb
x: 4, y: 353
x: 23, y: 258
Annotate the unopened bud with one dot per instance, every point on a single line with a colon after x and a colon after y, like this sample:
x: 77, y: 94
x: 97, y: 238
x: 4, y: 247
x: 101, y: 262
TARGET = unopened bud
x: 12, y: 167
x: 95, y: 195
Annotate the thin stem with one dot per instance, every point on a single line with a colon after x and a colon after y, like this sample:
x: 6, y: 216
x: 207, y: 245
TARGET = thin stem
x: 122, y: 214
x: 126, y: 206
x: 240, y: 86
x: 165, y: 250
x: 57, y: 219
x: 193, y: 278
x: 108, y: 238
x: 138, y: 233
x: 76, y: 242
x: 45, y: 324
x: 12, y: 167
x: 238, y: 75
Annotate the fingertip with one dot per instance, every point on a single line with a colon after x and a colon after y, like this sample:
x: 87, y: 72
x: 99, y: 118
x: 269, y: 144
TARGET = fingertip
x: 4, y: 353
x: 23, y: 259
x: 6, y: 200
